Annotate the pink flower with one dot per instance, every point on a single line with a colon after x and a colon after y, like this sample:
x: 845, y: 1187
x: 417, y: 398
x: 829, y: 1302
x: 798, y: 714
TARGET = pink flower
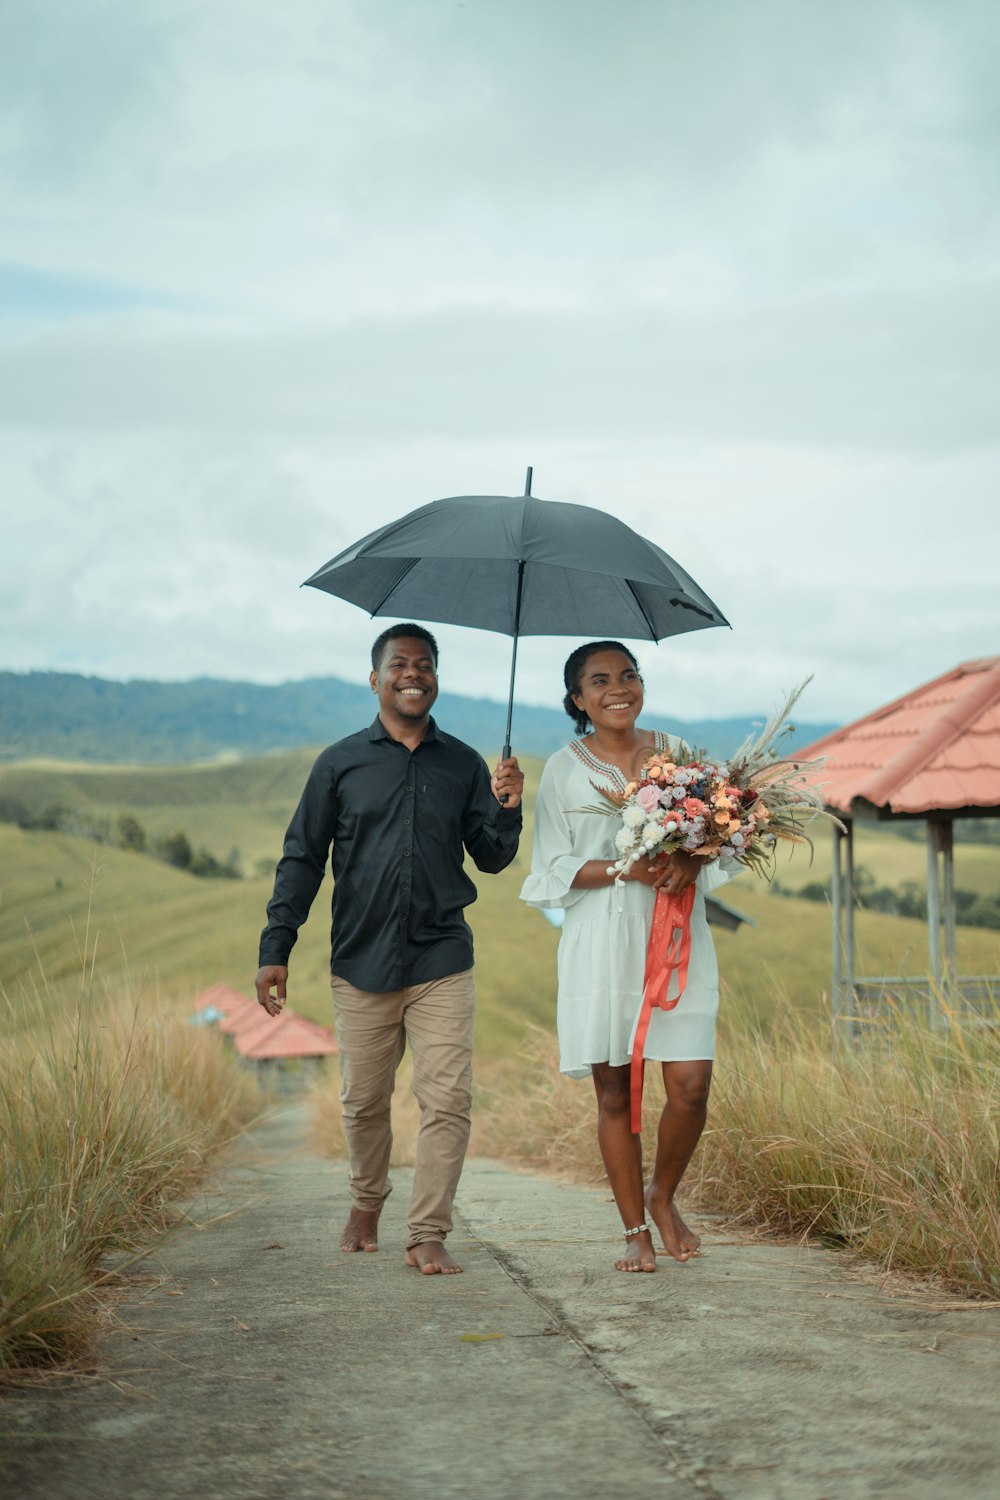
x: 648, y: 798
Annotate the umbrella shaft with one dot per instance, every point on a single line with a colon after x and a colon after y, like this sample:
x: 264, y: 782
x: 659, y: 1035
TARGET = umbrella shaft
x: 513, y: 660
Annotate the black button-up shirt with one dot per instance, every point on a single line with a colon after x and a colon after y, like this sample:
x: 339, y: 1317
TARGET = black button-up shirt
x: 398, y: 821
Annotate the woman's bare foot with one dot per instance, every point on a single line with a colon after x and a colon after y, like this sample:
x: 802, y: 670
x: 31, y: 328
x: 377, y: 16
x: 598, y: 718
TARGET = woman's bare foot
x: 432, y: 1259
x: 361, y: 1230
x: 639, y: 1254
x: 690, y: 1240
x: 678, y: 1240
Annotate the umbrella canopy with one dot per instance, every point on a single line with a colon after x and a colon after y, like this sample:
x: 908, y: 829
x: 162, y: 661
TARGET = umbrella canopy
x: 519, y: 565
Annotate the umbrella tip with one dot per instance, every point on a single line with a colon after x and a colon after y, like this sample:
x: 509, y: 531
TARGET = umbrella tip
x: 527, y: 480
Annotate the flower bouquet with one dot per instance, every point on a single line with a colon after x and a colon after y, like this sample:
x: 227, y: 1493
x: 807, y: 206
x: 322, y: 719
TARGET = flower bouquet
x: 735, y: 811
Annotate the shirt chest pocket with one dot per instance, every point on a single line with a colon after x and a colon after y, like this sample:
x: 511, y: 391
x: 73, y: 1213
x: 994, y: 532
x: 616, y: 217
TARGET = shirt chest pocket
x: 439, y: 805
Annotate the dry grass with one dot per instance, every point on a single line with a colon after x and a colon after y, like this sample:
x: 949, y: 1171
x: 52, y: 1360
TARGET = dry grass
x: 105, y: 1116
x: 891, y: 1148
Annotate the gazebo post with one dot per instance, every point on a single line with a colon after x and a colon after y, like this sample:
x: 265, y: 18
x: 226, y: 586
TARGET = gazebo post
x: 835, y: 926
x: 946, y: 836
x: 850, y: 964
x: 836, y: 903
x: 935, y: 967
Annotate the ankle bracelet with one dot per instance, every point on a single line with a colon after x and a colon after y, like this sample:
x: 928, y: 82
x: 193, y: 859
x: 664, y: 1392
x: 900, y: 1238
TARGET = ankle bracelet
x: 639, y: 1229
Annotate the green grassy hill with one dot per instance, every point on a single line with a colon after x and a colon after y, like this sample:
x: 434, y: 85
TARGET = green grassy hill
x: 891, y: 859
x: 67, y: 906
x: 239, y: 804
x: 157, y: 925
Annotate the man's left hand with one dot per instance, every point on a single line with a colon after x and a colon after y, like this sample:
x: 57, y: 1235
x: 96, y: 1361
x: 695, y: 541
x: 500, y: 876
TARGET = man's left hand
x: 508, y: 781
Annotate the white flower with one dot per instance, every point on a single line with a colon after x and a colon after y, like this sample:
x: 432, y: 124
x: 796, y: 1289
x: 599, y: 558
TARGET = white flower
x: 633, y: 816
x: 652, y: 834
x: 624, y: 840
x: 670, y: 827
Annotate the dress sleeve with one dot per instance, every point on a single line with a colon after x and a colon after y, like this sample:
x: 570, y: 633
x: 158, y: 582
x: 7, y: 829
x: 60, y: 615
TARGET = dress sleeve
x: 554, y: 861
x: 715, y: 874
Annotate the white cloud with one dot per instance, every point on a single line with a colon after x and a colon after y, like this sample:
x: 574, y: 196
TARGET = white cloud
x: 730, y: 271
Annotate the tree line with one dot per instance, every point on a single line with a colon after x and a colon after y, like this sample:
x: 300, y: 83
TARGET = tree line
x: 972, y: 908
x: 124, y: 832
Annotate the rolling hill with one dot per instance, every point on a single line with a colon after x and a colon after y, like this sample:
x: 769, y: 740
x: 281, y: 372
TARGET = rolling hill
x: 65, y: 716
x: 62, y: 897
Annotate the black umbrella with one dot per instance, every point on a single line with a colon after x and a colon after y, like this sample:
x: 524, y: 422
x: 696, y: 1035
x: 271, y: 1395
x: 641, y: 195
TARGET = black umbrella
x: 521, y: 566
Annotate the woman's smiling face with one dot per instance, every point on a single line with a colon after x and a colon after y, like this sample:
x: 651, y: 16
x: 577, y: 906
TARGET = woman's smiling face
x: 610, y: 690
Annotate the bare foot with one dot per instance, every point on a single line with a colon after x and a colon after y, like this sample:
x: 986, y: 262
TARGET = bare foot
x: 639, y: 1254
x: 432, y: 1259
x: 678, y: 1240
x: 688, y: 1238
x: 361, y: 1230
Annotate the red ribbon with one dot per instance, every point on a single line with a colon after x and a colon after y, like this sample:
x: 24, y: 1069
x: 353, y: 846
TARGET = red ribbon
x: 668, y: 953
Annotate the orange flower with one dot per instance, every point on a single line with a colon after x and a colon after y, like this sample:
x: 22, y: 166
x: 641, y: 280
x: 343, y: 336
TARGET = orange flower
x: 722, y: 818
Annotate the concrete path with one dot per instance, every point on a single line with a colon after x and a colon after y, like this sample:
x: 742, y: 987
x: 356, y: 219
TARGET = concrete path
x: 254, y: 1360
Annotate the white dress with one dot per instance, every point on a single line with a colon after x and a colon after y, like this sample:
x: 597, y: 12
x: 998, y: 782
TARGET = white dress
x: 602, y: 947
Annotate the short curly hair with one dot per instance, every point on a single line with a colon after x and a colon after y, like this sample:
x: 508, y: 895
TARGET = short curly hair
x: 573, y: 676
x: 394, y: 633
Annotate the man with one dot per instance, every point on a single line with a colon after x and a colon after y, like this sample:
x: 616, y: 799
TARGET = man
x: 398, y: 801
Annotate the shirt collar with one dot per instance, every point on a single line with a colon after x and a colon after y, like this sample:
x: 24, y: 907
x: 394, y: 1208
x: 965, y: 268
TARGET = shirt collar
x: 378, y: 731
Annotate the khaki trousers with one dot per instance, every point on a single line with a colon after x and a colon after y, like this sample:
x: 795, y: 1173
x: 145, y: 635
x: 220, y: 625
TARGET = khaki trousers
x: 372, y: 1032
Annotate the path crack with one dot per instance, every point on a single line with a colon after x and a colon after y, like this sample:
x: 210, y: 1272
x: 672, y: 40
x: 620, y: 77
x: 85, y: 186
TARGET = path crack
x: 556, y: 1315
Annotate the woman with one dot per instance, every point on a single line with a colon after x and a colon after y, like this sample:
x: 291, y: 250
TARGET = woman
x: 602, y: 950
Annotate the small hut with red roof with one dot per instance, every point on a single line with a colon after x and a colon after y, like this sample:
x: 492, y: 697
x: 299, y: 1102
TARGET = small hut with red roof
x: 259, y: 1038
x: 933, y: 754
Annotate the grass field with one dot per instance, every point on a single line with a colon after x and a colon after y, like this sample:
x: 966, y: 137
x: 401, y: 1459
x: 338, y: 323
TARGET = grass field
x: 892, y: 860
x: 161, y: 927
x: 81, y: 918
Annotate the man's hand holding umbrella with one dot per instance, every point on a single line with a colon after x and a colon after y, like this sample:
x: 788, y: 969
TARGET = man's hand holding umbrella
x: 507, y: 782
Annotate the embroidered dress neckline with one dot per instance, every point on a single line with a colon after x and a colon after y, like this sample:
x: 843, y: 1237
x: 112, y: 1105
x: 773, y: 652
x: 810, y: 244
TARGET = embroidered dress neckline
x: 605, y: 767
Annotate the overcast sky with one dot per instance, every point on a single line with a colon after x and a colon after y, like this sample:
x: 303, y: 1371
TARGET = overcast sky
x: 271, y: 275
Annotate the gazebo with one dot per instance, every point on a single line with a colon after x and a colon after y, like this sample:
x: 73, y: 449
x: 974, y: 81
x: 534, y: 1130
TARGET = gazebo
x: 932, y: 755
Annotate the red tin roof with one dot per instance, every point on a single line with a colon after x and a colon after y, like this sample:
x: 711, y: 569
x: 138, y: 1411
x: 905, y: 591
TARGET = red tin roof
x: 221, y: 997
x: 935, y: 749
x: 257, y: 1035
x: 287, y: 1035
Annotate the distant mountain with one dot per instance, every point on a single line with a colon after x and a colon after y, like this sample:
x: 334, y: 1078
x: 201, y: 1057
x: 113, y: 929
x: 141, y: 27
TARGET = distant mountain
x: 64, y: 716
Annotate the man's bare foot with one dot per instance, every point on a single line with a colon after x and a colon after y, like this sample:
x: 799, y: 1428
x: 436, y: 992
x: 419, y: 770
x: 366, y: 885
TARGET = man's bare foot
x: 639, y: 1254
x: 361, y: 1230
x: 678, y: 1240
x: 432, y: 1259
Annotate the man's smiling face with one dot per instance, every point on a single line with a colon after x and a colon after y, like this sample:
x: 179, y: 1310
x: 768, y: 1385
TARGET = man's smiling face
x: 406, y: 680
